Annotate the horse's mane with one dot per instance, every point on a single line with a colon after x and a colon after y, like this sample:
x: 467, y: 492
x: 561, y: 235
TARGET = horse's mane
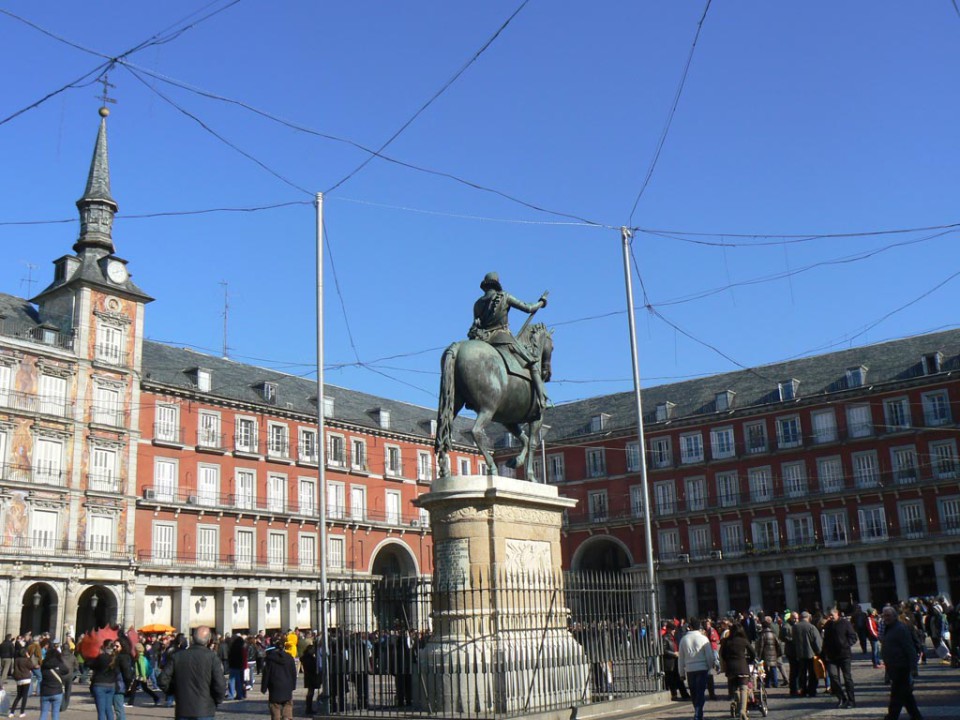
x: 533, y: 334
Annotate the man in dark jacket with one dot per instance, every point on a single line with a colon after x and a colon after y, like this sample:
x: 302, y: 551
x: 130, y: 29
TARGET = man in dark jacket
x: 279, y: 680
x: 195, y: 678
x: 806, y: 645
x: 900, y: 655
x: 6, y: 658
x: 838, y: 637
x: 786, y: 641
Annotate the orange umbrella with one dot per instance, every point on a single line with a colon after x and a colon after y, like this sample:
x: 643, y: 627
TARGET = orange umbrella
x: 157, y: 628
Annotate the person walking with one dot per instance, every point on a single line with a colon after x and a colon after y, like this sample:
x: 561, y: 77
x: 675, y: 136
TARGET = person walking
x: 141, y: 666
x: 6, y: 658
x: 901, y: 654
x: 695, y: 661
x: 714, y: 637
x: 70, y: 661
x: 670, y: 653
x: 52, y: 673
x: 839, y: 637
x: 737, y: 653
x: 786, y: 640
x: 23, y: 677
x: 194, y: 677
x: 806, y: 646
x: 768, y: 650
x: 236, y: 664
x: 103, y: 679
x: 279, y: 680
x: 873, y: 635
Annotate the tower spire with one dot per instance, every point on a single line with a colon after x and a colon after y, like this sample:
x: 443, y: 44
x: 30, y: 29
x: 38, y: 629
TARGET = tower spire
x: 97, y: 206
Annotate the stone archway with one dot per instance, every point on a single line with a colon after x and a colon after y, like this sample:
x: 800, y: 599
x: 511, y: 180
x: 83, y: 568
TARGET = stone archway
x: 38, y: 613
x: 397, y: 593
x: 96, y: 608
x: 603, y: 554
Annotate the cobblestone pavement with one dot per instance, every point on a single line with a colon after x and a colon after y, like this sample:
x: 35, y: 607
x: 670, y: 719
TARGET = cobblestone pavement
x: 937, y: 692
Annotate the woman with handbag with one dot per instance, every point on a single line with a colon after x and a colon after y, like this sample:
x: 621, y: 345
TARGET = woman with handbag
x: 22, y: 676
x: 52, y: 673
x: 103, y: 679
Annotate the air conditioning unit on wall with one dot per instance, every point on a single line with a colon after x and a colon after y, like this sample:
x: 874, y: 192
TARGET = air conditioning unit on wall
x: 684, y: 558
x: 149, y: 494
x: 716, y: 555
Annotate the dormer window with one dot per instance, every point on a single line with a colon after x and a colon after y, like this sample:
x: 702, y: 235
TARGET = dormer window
x: 598, y: 423
x: 856, y: 376
x: 724, y: 400
x: 665, y: 411
x: 788, y: 390
x: 327, y: 407
x: 383, y: 418
x: 204, y: 380
x: 931, y: 363
x: 269, y: 392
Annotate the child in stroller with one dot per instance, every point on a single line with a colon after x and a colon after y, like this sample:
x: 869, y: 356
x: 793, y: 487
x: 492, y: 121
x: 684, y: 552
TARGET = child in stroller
x: 757, y: 696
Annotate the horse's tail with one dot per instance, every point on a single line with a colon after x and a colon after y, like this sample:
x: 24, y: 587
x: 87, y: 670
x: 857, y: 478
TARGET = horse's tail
x: 446, y: 410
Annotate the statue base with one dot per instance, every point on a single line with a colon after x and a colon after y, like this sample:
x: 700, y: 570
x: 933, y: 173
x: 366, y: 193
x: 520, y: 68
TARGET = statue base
x: 500, y: 642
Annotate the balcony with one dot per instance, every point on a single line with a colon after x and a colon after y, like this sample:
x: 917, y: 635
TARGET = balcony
x: 211, y: 441
x: 34, y: 403
x: 225, y: 562
x: 104, y: 482
x: 278, y: 449
x: 111, y: 356
x: 40, y: 335
x: 167, y: 433
x: 245, y: 444
x: 40, y: 475
x: 86, y: 550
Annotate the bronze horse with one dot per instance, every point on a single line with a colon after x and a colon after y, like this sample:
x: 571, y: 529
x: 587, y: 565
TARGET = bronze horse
x: 474, y: 375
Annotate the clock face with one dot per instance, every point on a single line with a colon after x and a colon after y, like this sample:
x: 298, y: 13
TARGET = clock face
x: 116, y: 271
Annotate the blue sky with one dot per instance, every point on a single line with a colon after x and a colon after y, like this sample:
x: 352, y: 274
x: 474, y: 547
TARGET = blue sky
x: 796, y: 118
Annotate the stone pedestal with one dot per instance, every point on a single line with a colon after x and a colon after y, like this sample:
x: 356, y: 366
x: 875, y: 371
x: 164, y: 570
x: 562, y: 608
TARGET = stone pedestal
x: 500, y: 641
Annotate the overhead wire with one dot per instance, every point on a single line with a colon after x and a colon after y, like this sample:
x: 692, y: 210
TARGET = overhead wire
x: 670, y: 115
x: 476, y: 55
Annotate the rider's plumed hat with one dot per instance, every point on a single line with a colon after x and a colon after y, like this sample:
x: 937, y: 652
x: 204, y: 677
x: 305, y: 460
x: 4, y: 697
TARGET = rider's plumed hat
x: 491, y: 280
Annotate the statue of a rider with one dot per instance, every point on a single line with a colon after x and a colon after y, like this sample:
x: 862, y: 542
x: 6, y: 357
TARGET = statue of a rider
x: 491, y: 324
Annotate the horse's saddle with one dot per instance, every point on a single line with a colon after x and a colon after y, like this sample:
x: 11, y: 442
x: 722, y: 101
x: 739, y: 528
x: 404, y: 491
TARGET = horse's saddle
x: 515, y: 366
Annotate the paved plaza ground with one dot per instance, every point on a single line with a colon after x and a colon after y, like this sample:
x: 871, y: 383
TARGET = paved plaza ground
x: 937, y: 691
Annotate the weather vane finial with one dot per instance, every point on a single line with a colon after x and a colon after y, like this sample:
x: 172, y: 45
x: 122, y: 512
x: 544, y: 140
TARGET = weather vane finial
x: 105, y: 97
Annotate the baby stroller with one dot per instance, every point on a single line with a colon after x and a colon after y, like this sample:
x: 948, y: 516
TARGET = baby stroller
x: 757, y: 698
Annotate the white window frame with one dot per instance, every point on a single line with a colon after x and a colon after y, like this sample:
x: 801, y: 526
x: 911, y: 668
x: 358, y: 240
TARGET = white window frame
x: 695, y: 492
x: 824, y: 426
x: 336, y: 555
x: 755, y: 437
x: 943, y: 458
x: 6, y: 383
x: 859, y: 420
x: 596, y: 462
x: 163, y: 542
x: 661, y: 452
x: 873, y: 523
x: 731, y: 539
x: 393, y: 504
x: 728, y: 489
x: 107, y: 405
x: 336, y: 500
x: 276, y: 549
x: 896, y: 414
x: 246, y: 435
x: 700, y: 542
x: 278, y: 440
x: 794, y: 476
x: 765, y: 533
x: 424, y: 467
x: 103, y: 469
x: 276, y: 492
x: 632, y: 452
x: 722, y: 443
x: 866, y: 469
x: 209, y: 433
x: 166, y: 478
x: 556, y: 468
x: 665, y: 497
x: 208, y: 545
x: 598, y: 507
x: 691, y: 448
x: 912, y: 521
x: 358, y: 502
x: 358, y: 454
x: 800, y: 533
x: 204, y: 380
x: 110, y: 343
x: 208, y: 484
x: 336, y: 450
x: 668, y: 542
x: 949, y: 510
x: 789, y: 432
x: 53, y: 395
x: 245, y: 557
x: 167, y: 423
x: 936, y: 408
x: 760, y: 480
x: 101, y: 535
x: 307, y: 551
x: 391, y: 468
x: 307, y: 449
x: 464, y: 465
x: 245, y: 488
x: 44, y: 530
x: 830, y: 474
x: 835, y: 528
x: 904, y: 462
x: 636, y: 501
x: 307, y: 496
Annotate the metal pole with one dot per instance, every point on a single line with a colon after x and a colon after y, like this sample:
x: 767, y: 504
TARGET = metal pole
x: 654, y: 629
x: 324, y: 701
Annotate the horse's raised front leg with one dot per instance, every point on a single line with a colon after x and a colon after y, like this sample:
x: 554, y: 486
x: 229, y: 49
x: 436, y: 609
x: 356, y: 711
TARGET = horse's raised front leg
x: 480, y: 438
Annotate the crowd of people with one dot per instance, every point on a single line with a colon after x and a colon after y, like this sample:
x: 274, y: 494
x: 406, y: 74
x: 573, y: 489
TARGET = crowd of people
x: 809, y: 652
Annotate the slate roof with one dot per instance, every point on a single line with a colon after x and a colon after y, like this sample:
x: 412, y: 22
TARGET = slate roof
x: 175, y: 367
x: 886, y: 362
x: 18, y: 311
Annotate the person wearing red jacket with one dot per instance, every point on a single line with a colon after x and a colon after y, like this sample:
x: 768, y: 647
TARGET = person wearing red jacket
x: 714, y: 637
x: 873, y: 635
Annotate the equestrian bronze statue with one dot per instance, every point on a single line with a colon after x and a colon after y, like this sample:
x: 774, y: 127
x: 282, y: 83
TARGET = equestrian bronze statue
x: 497, y: 375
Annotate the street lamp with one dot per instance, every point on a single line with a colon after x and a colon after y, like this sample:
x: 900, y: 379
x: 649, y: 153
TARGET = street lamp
x: 94, y: 601
x: 37, y: 597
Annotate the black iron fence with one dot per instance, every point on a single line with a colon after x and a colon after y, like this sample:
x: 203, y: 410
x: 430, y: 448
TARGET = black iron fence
x: 488, y: 647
